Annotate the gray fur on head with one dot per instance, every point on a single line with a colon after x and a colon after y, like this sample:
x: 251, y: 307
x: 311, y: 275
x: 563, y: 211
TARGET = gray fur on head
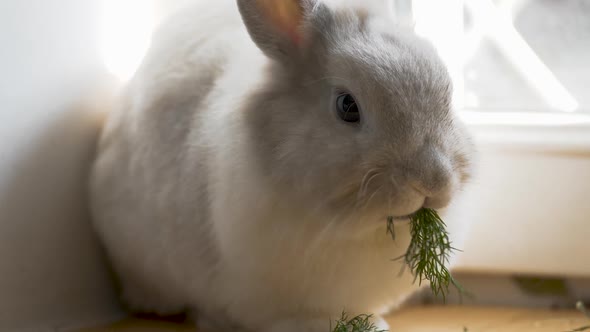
x: 408, y: 150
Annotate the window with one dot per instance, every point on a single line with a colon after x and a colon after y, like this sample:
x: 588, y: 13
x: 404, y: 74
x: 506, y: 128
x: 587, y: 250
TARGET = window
x: 510, y: 55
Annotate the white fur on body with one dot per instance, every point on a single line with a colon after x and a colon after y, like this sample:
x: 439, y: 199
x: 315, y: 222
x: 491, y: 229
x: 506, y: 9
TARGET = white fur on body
x: 190, y: 221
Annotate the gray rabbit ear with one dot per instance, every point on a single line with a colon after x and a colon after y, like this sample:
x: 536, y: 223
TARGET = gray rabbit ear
x: 277, y: 26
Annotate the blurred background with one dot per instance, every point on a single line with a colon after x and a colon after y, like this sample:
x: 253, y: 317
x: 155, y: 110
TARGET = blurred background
x: 521, y: 70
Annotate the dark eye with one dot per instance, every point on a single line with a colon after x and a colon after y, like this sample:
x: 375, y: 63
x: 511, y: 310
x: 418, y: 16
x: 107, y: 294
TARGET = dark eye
x: 347, y: 108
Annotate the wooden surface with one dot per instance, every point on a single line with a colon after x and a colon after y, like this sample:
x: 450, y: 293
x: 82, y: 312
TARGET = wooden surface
x: 425, y: 319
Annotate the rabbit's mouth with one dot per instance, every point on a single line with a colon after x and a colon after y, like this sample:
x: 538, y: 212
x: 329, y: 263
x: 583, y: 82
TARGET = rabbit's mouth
x: 404, y: 217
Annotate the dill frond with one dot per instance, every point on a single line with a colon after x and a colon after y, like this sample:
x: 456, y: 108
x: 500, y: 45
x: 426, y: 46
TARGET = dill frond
x: 427, y: 256
x: 360, y: 323
x: 390, y: 228
x: 429, y: 251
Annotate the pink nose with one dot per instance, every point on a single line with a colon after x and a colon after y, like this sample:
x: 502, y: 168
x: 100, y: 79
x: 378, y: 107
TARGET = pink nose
x: 437, y: 202
x: 435, y: 197
x: 433, y: 178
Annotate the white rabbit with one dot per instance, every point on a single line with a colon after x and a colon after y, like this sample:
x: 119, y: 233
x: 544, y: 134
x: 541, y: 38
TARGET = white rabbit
x: 251, y: 163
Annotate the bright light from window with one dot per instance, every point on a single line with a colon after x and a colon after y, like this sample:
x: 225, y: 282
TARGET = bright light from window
x: 127, y: 29
x: 499, y: 27
x: 441, y: 22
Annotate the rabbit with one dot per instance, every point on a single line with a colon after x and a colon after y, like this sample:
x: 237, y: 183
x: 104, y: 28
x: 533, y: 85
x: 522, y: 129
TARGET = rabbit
x: 249, y: 166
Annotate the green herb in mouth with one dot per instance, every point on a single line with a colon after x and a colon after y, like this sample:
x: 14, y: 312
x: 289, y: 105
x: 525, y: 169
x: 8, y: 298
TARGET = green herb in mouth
x: 429, y: 251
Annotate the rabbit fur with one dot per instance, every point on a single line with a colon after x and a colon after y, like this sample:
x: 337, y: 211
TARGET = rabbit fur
x: 225, y: 183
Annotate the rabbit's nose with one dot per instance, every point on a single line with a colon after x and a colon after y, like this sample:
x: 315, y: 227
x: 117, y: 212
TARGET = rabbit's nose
x: 435, y: 199
x: 438, y: 202
x: 433, y: 178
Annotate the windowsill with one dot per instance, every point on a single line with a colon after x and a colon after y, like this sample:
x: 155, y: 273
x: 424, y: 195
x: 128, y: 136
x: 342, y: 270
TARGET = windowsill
x: 533, y: 173
x: 535, y: 132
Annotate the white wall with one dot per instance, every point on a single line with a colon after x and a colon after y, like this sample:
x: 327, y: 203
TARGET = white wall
x: 51, y: 271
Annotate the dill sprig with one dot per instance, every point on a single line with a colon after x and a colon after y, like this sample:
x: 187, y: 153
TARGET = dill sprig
x: 429, y: 251
x: 427, y: 256
x: 360, y: 323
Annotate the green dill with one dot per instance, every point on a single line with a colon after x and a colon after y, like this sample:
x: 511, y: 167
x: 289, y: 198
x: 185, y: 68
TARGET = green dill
x: 429, y: 251
x: 390, y: 228
x: 360, y: 323
x: 427, y: 256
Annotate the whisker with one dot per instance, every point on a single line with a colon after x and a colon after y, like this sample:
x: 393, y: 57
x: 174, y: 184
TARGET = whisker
x: 367, y: 180
x: 373, y: 195
x: 394, y: 181
x: 366, y: 202
x: 389, y: 195
x: 317, y: 241
x: 361, y: 186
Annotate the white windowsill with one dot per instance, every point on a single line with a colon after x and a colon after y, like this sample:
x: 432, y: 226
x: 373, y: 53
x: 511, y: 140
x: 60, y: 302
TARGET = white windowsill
x: 527, y: 204
x: 535, y: 132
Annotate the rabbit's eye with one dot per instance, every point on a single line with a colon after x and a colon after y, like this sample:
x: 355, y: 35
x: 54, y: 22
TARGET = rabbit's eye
x: 347, y: 108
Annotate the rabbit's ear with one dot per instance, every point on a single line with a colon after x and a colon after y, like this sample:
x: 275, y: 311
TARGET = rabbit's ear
x: 276, y: 26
